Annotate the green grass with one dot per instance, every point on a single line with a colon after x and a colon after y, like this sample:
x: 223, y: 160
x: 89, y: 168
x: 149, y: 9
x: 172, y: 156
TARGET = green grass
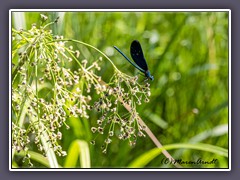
x: 187, y: 53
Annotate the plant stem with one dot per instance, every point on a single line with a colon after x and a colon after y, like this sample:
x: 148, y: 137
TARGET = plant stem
x: 147, y: 130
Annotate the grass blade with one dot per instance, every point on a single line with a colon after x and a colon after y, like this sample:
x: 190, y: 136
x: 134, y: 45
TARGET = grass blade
x: 145, y: 158
x: 78, y: 148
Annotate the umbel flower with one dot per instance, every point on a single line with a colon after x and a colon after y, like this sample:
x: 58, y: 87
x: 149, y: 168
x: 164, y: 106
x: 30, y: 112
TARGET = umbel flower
x: 51, y: 83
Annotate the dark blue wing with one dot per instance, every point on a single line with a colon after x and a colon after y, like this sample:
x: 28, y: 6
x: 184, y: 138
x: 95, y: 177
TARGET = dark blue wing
x: 137, y: 55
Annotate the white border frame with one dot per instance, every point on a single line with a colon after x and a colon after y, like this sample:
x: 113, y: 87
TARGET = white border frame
x: 120, y: 10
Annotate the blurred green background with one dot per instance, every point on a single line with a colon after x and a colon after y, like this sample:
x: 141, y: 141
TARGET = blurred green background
x: 187, y: 53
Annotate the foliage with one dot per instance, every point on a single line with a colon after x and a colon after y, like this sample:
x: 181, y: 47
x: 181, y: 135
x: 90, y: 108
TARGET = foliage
x: 69, y: 95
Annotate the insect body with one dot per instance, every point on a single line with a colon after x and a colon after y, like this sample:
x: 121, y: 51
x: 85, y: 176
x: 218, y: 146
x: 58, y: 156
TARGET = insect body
x: 138, y: 58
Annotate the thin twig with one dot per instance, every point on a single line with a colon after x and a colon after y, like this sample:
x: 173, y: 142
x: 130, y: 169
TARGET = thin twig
x: 148, y: 131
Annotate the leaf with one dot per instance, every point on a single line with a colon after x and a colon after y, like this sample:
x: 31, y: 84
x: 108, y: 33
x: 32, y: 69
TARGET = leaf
x: 156, y: 119
x: 36, y: 157
x: 217, y: 131
x: 146, y: 157
x: 78, y: 148
x: 52, y: 159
